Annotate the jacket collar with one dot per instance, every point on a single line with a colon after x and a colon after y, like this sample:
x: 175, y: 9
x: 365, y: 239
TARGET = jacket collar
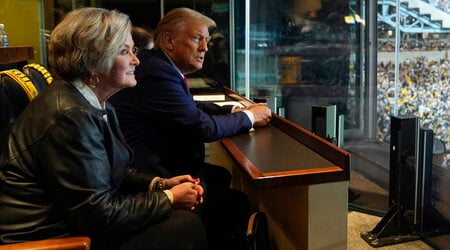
x: 87, y: 93
x: 169, y: 60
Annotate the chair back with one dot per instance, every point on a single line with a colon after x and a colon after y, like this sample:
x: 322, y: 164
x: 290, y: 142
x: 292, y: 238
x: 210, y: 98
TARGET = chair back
x: 16, y: 91
x: 258, y: 232
x: 6, y: 112
x: 39, y: 75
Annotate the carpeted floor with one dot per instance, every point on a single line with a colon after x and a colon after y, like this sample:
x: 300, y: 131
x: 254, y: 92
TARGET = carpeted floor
x: 361, y: 222
x: 369, y: 194
x: 367, y: 210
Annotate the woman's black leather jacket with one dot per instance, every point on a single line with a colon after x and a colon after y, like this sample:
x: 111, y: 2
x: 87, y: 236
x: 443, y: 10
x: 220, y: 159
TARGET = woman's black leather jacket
x: 61, y: 170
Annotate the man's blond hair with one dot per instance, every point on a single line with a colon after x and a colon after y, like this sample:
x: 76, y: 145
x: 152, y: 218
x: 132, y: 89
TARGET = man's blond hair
x: 175, y: 20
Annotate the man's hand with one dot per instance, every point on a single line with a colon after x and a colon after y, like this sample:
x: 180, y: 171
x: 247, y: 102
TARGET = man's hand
x: 261, y: 113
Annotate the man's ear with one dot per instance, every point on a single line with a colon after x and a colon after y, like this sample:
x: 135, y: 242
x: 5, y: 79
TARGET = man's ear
x: 168, y: 41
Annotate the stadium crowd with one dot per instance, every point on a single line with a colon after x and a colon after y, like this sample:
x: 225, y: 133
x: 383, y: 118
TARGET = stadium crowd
x: 424, y: 91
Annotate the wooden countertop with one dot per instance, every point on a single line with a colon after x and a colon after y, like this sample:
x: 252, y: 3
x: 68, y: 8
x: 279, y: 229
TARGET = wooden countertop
x: 285, y: 154
x: 14, y: 54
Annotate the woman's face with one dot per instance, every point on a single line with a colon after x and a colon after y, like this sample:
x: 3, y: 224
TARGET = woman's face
x: 122, y: 72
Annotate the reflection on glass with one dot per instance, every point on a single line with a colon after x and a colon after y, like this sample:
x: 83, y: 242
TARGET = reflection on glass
x: 302, y: 53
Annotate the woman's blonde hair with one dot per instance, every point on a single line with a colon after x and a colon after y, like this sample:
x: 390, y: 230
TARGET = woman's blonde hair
x: 87, y: 41
x: 175, y: 20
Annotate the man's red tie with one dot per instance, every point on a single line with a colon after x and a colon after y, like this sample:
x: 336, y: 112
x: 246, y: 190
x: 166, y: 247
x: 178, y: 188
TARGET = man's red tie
x: 186, y: 82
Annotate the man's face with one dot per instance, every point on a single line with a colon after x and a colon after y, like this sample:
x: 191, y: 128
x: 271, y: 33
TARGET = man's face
x: 189, y: 47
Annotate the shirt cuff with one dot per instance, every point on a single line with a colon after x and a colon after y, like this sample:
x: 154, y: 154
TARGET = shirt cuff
x: 250, y: 116
x: 169, y: 195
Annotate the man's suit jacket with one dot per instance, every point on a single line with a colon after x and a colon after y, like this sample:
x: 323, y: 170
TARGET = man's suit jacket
x: 164, y: 125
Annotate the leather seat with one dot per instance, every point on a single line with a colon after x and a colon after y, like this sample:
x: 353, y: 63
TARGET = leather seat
x: 258, y: 232
x: 39, y: 75
x: 16, y: 91
x: 6, y: 111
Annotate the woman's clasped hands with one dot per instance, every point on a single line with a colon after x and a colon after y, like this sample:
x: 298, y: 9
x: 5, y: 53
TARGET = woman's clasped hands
x: 186, y: 190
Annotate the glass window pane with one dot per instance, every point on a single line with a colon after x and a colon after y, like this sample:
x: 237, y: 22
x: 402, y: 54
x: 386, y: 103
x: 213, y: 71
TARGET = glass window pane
x: 421, y: 84
x: 412, y: 79
x: 300, y: 53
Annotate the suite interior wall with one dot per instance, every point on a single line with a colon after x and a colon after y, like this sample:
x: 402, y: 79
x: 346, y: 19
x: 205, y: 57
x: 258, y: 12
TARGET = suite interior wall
x: 21, y: 19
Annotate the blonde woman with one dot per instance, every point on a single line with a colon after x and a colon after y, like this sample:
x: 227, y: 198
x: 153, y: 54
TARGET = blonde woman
x: 64, y: 166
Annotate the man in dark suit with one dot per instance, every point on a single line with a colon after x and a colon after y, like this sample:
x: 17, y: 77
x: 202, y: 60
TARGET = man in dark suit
x: 167, y: 128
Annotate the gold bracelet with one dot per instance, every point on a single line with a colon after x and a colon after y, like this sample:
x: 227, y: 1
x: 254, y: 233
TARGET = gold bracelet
x: 159, y: 184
